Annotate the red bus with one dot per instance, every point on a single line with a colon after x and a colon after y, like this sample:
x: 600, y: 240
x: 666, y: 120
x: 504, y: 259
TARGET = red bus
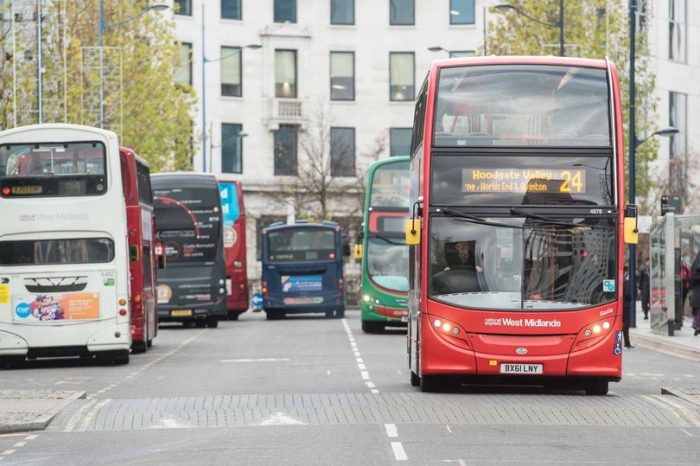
x: 140, y: 219
x: 517, y: 225
x: 234, y: 245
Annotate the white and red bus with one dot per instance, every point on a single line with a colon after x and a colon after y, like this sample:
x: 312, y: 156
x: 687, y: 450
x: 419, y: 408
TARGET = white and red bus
x: 64, y: 266
x: 516, y: 194
x: 140, y: 218
x: 233, y: 210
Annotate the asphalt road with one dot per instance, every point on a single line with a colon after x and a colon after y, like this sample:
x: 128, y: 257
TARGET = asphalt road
x: 309, y: 390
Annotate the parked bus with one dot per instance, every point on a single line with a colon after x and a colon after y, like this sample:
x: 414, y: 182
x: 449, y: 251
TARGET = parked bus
x: 140, y: 219
x: 191, y: 288
x: 302, y: 269
x: 516, y: 195
x: 234, y: 246
x: 384, y: 251
x: 64, y: 271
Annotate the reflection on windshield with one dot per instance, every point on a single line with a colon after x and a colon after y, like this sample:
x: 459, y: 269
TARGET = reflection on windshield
x: 387, y: 264
x: 524, y: 265
x: 32, y: 160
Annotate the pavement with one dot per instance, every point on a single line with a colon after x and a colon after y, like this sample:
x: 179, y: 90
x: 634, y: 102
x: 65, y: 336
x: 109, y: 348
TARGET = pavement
x: 682, y: 344
x: 26, y: 410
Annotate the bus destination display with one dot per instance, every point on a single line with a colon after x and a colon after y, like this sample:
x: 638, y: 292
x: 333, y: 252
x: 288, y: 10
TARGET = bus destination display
x: 523, y: 180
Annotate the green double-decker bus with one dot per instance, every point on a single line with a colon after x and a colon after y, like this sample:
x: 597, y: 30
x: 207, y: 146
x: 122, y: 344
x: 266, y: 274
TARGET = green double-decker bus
x: 384, y: 252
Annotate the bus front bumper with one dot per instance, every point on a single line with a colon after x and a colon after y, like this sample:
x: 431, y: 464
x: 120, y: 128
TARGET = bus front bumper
x: 190, y: 312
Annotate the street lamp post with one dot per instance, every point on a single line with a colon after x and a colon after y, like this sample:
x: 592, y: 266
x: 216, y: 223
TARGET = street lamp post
x: 100, y: 39
x: 205, y: 60
x: 559, y: 24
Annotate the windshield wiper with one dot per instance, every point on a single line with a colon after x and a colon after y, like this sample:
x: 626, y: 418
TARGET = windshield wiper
x: 390, y: 241
x: 553, y: 221
x: 478, y: 220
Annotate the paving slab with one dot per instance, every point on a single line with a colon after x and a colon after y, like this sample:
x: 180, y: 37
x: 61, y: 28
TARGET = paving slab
x: 25, y: 410
x: 691, y: 394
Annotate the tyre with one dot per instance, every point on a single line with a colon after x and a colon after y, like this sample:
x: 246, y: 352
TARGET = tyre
x: 372, y: 327
x: 212, y: 322
x: 139, y: 347
x: 121, y: 358
x: 597, y: 387
x: 340, y: 313
x: 11, y: 362
x: 233, y: 315
x: 415, y: 380
x: 329, y: 314
x: 429, y: 383
x: 274, y: 315
x: 200, y: 323
x: 150, y: 342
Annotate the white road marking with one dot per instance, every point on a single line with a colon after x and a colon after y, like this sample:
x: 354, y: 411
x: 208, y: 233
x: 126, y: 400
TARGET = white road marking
x: 449, y: 429
x: 281, y: 419
x: 365, y: 375
x: 30, y: 437
x: 374, y: 391
x: 686, y: 432
x: 391, y: 430
x: 399, y: 452
x: 361, y: 367
x: 359, y: 360
x: 370, y: 384
x: 7, y: 452
x: 19, y: 444
x: 73, y: 421
x: 169, y: 424
x: 91, y: 415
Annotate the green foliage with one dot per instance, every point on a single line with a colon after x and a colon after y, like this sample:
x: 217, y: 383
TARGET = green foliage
x: 592, y: 29
x: 143, y: 104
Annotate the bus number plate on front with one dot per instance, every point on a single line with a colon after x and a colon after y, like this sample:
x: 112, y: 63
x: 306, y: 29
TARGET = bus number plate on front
x: 181, y: 313
x: 508, y: 368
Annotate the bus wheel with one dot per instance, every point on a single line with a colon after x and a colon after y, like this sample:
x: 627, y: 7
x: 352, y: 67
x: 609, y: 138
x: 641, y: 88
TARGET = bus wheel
x: 11, y: 362
x: 138, y: 347
x: 274, y: 315
x: 149, y: 343
x: 200, y: 323
x: 121, y: 358
x: 340, y: 313
x: 430, y: 383
x: 372, y: 327
x: 233, y: 315
x: 329, y: 314
x: 597, y: 387
x: 212, y: 322
x: 415, y: 380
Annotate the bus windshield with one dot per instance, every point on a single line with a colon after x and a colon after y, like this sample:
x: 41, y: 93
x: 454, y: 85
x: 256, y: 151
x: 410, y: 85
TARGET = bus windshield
x: 390, y: 186
x: 523, y: 265
x: 522, y: 105
x: 50, y: 169
x: 189, y: 223
x: 302, y: 244
x: 387, y: 263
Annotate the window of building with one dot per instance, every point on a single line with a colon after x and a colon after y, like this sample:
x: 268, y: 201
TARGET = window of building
x: 342, y: 75
x: 231, y: 148
x: 401, y: 76
x: 342, y: 11
x: 402, y: 12
x: 678, y: 118
x: 342, y: 151
x: 461, y: 11
x: 286, y: 73
x: 461, y: 53
x: 183, y: 7
x: 400, y: 141
x: 677, y: 18
x: 231, y: 9
x: 183, y: 70
x: 285, y: 140
x: 231, y: 71
x: 285, y: 11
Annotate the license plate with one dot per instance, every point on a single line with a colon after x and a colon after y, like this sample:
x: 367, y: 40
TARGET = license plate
x: 303, y: 300
x: 509, y: 368
x: 181, y: 313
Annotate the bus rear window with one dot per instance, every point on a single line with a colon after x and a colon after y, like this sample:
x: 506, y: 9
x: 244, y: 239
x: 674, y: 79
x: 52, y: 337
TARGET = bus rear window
x: 57, y: 251
x: 306, y: 244
x: 52, y: 169
x: 522, y: 105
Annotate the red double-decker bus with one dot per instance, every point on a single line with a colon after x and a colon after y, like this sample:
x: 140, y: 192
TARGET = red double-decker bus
x: 140, y: 218
x: 516, y: 194
x: 233, y: 211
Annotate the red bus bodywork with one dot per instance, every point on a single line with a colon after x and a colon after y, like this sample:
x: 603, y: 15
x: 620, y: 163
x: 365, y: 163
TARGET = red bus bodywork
x: 234, y: 245
x: 554, y: 339
x: 142, y: 265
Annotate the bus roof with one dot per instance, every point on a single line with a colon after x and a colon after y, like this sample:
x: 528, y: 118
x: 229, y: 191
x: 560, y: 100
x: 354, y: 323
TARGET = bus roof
x: 302, y: 224
x: 187, y: 179
x: 520, y: 60
x: 57, y: 132
x: 388, y: 161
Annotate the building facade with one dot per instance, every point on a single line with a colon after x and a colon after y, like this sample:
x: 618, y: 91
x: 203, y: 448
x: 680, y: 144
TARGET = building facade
x: 285, y: 82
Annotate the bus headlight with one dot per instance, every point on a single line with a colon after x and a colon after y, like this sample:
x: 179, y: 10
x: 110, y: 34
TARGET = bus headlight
x: 592, y: 334
x: 451, y: 332
x: 366, y: 298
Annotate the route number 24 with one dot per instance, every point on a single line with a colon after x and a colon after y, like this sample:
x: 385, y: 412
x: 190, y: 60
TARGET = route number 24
x: 572, y: 182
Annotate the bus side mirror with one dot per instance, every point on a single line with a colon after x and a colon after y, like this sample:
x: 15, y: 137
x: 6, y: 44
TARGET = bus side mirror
x: 357, y: 251
x: 631, y: 233
x: 160, y: 255
x: 413, y: 231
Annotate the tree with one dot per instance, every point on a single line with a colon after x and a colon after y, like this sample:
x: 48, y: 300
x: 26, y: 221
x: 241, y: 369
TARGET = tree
x: 150, y: 112
x: 592, y: 29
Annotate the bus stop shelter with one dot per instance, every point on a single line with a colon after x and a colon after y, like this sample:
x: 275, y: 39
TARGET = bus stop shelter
x: 673, y: 239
